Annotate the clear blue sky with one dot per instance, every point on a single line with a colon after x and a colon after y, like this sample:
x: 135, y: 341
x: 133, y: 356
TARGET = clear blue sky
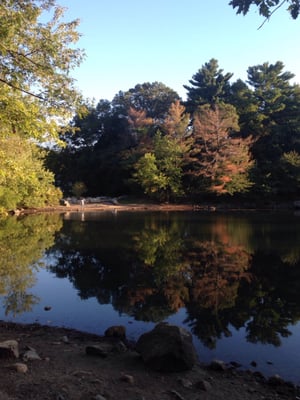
x: 135, y: 41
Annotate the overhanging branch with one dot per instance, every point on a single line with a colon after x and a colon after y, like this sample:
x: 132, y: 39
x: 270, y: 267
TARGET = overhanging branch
x: 21, y: 89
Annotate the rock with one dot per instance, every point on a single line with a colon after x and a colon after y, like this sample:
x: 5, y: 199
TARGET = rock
x: 203, y: 385
x: 259, y: 376
x: 235, y: 364
x: 120, y: 347
x: 47, y: 308
x: 217, y: 365
x: 65, y: 339
x: 185, y: 383
x: 99, y: 397
x: 167, y: 348
x: 19, y: 367
x: 275, y: 380
x: 30, y: 355
x: 117, y: 331
x: 9, y: 349
x: 100, y: 350
x: 127, y: 378
x: 253, y: 363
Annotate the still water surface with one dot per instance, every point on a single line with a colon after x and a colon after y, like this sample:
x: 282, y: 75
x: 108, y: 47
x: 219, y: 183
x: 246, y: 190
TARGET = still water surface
x: 233, y: 280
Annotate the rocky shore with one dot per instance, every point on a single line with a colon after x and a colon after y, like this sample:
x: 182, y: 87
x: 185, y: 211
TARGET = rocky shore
x: 48, y: 363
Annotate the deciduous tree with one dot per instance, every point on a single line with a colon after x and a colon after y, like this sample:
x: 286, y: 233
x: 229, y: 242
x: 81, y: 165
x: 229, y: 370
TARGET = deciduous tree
x: 219, y: 161
x: 37, y: 94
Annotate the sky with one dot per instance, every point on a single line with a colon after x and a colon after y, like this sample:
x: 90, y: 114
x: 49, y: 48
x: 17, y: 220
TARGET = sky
x: 129, y: 42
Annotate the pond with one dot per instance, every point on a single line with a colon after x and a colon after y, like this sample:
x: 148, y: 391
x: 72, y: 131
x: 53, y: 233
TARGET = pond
x: 232, y: 279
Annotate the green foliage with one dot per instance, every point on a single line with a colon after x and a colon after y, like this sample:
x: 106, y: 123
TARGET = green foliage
x: 289, y: 172
x: 36, y: 90
x: 24, y: 181
x: 37, y: 96
x: 160, y: 173
x: 209, y: 86
x: 154, y: 98
x: 149, y: 176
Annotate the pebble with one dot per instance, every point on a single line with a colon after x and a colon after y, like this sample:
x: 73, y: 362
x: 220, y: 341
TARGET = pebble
x: 203, y: 385
x: 31, y: 355
x: 19, y: 367
x: 99, y: 397
x: 101, y: 350
x: 185, y: 383
x: 127, y: 378
x: 275, y: 380
x: 217, y: 365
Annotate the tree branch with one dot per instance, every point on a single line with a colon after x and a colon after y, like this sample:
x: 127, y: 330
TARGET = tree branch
x: 280, y: 5
x: 22, y: 90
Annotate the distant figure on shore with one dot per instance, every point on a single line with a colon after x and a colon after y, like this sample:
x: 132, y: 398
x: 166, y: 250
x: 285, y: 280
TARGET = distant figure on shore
x: 82, y: 203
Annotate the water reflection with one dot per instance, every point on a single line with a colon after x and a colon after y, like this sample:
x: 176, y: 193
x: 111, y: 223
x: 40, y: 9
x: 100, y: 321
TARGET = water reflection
x: 22, y: 244
x: 227, y: 271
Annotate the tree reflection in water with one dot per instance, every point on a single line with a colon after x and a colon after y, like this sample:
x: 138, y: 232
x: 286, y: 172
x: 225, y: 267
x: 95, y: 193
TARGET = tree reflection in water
x: 149, y: 267
x: 225, y: 271
x: 23, y: 242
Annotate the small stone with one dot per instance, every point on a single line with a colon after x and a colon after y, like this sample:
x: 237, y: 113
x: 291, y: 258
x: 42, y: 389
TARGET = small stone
x: 99, y: 397
x: 9, y: 349
x: 120, y: 347
x: 65, y: 339
x: 253, y: 363
x: 235, y: 364
x: 20, y: 367
x: 217, y: 365
x: 101, y: 350
x: 117, y: 331
x: 185, y: 383
x: 47, y: 308
x: 127, y: 378
x: 259, y: 376
x: 30, y: 355
x: 275, y: 380
x: 203, y: 385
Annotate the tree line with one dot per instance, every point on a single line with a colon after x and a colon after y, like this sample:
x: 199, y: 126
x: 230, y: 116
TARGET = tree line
x: 226, y: 139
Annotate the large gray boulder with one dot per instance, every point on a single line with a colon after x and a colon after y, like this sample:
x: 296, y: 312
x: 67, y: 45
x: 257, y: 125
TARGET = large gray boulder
x: 167, y: 348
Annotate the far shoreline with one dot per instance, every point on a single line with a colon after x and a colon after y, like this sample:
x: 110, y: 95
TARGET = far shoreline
x: 162, y: 207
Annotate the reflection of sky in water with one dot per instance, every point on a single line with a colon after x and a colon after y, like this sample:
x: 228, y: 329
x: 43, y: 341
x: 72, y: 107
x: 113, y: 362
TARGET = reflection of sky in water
x: 111, y: 241
x: 68, y: 310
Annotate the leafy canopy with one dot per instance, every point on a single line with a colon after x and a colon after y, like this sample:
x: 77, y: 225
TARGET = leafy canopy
x: 36, y: 90
x: 37, y: 96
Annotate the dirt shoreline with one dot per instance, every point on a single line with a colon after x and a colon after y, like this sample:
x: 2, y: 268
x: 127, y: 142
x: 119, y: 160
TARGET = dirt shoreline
x: 113, y: 207
x: 165, y: 207
x: 66, y: 372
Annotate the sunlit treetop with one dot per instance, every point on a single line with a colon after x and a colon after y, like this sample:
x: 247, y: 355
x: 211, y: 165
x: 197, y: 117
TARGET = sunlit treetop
x: 37, y: 54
